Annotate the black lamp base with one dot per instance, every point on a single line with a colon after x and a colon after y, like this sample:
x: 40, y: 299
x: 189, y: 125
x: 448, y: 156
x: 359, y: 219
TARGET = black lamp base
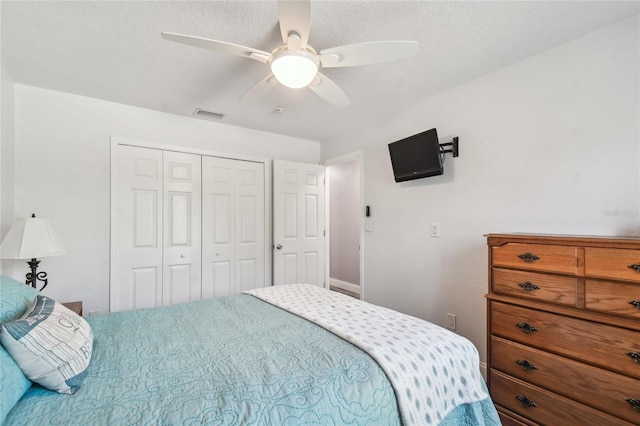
x: 33, y: 277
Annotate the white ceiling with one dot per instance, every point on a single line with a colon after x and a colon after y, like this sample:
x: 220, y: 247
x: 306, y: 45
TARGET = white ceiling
x: 113, y: 51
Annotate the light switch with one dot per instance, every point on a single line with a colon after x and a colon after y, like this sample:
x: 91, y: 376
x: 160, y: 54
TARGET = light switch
x: 434, y: 230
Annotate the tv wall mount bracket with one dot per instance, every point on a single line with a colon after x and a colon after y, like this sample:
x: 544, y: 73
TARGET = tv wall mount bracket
x: 454, y: 147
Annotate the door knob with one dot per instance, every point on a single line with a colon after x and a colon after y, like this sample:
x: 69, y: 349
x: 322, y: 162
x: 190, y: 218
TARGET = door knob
x: 279, y: 246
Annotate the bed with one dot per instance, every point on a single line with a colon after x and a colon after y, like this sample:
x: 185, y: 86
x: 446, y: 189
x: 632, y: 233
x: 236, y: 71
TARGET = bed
x: 283, y: 355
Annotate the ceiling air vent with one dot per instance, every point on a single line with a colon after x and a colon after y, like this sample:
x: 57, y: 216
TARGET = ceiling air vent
x: 207, y: 115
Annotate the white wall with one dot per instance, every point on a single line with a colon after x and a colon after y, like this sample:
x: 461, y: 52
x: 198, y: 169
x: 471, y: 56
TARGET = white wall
x: 62, y: 172
x: 344, y: 211
x: 548, y: 145
x: 7, y: 147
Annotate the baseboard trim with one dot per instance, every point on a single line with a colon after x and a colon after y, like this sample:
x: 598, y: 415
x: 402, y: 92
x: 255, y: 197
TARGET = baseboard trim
x: 483, y: 370
x: 354, y: 288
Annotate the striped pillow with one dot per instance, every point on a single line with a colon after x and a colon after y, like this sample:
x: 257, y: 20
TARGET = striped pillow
x: 51, y: 344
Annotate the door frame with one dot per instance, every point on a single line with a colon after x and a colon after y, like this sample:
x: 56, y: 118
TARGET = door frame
x: 355, y: 155
x: 116, y: 141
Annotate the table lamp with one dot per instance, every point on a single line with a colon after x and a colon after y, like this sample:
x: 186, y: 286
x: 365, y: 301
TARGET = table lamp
x: 32, y: 238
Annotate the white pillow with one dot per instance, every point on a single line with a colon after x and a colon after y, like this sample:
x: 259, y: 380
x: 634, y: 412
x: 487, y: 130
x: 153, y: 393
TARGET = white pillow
x: 51, y: 344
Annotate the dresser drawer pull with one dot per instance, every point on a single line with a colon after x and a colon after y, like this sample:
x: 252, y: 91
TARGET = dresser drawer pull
x: 634, y: 356
x: 527, y: 328
x: 526, y: 402
x: 635, y: 267
x: 530, y: 257
x: 635, y: 303
x: 526, y: 365
x: 528, y: 286
x: 635, y: 403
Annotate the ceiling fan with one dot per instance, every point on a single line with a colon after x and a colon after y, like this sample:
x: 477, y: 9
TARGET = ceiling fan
x: 296, y: 64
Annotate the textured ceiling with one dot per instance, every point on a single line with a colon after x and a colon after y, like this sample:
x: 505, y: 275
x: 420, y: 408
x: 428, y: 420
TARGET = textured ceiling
x: 113, y: 51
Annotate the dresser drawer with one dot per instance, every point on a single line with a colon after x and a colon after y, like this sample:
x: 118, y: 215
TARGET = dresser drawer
x: 549, y: 409
x: 612, y: 263
x: 543, y: 287
x: 506, y: 420
x: 599, y: 344
x: 586, y: 384
x: 613, y: 298
x: 537, y: 257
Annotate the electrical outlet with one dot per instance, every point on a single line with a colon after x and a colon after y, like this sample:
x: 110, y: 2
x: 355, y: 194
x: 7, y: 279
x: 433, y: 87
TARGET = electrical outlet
x: 96, y: 312
x: 451, y: 322
x: 434, y: 230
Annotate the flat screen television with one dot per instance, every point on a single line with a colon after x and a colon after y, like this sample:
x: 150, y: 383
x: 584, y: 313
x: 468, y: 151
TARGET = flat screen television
x: 416, y: 157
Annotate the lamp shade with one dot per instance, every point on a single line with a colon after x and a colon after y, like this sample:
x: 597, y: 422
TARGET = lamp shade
x: 31, y: 238
x: 294, y: 69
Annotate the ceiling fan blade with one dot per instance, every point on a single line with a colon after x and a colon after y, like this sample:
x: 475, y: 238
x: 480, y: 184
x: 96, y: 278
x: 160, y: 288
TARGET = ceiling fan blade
x: 295, y: 16
x: 260, y: 88
x: 373, y: 52
x: 219, y: 46
x: 329, y: 91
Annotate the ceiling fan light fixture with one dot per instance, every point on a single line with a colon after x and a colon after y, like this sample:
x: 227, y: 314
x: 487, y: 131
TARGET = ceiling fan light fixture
x: 294, y: 69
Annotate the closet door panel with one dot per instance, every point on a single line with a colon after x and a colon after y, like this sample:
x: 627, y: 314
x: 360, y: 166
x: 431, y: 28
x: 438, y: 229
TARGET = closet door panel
x: 249, y: 231
x: 247, y: 274
x: 137, y: 281
x: 232, y: 226
x: 145, y: 211
x: 142, y: 288
x: 221, y: 219
x: 180, y: 220
x: 181, y: 275
x: 216, y: 279
x: 174, y: 285
x: 218, y: 222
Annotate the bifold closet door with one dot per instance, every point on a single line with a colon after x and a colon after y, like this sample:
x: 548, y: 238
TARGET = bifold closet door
x: 233, y: 233
x: 157, y: 229
x: 181, y: 263
x: 138, y: 228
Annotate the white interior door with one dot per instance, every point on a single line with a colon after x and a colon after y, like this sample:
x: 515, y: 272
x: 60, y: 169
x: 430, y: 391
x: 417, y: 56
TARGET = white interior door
x: 298, y: 223
x: 233, y: 232
x: 181, y: 277
x: 138, y: 230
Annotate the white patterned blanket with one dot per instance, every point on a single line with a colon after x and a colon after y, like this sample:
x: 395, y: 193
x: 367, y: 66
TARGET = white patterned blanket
x: 431, y: 369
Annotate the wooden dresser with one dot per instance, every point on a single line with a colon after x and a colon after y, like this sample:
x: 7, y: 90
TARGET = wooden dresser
x: 564, y: 329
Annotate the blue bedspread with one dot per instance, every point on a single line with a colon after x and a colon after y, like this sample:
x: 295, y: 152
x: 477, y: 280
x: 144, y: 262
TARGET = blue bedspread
x: 432, y: 370
x: 230, y: 361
